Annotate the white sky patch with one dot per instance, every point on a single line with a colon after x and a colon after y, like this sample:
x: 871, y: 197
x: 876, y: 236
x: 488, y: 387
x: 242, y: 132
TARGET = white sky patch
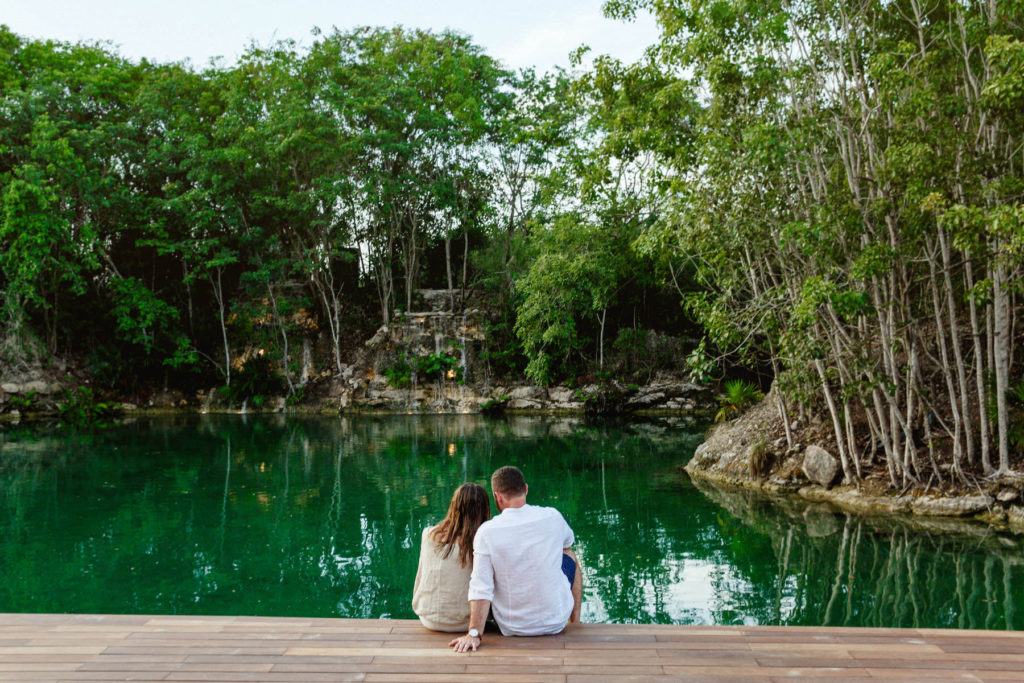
x: 538, y: 33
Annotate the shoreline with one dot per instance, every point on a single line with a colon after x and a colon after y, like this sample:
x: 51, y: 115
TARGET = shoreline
x: 737, y: 456
x: 850, y: 499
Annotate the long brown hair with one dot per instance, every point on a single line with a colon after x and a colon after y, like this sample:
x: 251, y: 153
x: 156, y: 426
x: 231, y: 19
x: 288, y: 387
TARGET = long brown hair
x: 470, y: 507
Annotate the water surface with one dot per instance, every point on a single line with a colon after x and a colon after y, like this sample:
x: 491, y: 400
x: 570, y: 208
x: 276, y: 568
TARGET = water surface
x: 262, y: 515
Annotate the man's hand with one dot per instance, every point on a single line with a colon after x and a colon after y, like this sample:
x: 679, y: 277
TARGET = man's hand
x: 478, y: 610
x: 465, y: 643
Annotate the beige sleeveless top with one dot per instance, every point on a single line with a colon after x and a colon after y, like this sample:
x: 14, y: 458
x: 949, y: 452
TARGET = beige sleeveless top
x: 439, y: 596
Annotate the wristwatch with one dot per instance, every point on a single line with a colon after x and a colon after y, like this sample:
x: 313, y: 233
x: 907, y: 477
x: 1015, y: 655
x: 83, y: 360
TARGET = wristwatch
x: 474, y: 633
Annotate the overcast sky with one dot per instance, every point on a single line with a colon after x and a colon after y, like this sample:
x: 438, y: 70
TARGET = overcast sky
x: 538, y: 33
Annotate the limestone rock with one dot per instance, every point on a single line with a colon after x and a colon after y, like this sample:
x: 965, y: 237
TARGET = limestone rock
x: 1007, y: 495
x: 40, y: 387
x: 523, y: 404
x: 646, y: 399
x: 526, y: 393
x: 380, y: 337
x: 820, y: 466
x: 10, y: 388
x: 703, y: 457
x: 561, y: 395
x: 729, y: 462
x: 1015, y: 516
x: 951, y: 507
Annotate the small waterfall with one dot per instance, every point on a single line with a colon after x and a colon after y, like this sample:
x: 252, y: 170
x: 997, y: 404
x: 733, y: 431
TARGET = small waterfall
x: 206, y: 402
x: 462, y: 361
x: 307, y: 361
x: 245, y: 401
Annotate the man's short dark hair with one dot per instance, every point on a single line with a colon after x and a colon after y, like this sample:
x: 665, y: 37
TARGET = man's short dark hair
x: 508, y: 481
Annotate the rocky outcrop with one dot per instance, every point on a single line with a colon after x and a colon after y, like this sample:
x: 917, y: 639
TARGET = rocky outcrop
x: 374, y: 393
x: 724, y: 461
x: 819, y: 466
x: 32, y: 387
x: 961, y: 506
x: 388, y: 375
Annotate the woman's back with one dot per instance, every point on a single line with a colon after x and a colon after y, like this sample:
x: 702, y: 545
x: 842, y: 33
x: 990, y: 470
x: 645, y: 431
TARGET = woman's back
x: 440, y: 594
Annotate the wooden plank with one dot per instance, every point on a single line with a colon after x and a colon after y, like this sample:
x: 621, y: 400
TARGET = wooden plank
x: 840, y: 647
x: 479, y: 678
x: 454, y: 668
x: 29, y: 650
x: 260, y: 678
x: 136, y: 647
x: 751, y: 672
x: 6, y: 667
x: 282, y: 659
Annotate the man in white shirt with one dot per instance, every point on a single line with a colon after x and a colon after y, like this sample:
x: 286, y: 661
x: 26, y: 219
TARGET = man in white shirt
x: 524, y: 571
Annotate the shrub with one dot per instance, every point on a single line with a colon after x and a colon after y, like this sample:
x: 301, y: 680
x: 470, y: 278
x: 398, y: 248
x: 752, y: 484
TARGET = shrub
x: 700, y: 365
x: 739, y: 395
x: 256, y: 378
x: 429, y: 368
x: 760, y: 460
x: 434, y: 366
x: 399, y: 375
x: 24, y: 404
x: 81, y: 407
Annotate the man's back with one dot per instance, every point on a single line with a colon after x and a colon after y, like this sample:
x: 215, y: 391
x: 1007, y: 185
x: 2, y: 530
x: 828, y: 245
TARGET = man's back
x: 517, y: 560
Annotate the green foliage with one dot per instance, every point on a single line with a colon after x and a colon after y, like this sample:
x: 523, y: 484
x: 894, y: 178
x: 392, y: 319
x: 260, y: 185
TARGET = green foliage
x: 297, y: 397
x: 502, y: 353
x: 256, y: 380
x: 739, y: 395
x: 399, y: 374
x: 436, y: 366
x: 80, y: 407
x: 494, y: 405
x: 640, y: 352
x: 761, y: 460
x: 700, y: 365
x: 140, y: 316
x: 24, y: 404
x: 429, y: 368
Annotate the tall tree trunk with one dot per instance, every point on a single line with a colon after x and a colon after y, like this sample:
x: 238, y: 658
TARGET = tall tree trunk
x: 1001, y: 346
x: 979, y: 371
x: 216, y: 281
x: 284, y: 337
x: 448, y: 269
x: 836, y: 421
x: 465, y: 267
x: 947, y: 373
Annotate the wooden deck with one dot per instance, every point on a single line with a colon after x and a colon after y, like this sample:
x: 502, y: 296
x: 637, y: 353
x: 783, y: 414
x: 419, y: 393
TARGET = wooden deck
x: 54, y: 647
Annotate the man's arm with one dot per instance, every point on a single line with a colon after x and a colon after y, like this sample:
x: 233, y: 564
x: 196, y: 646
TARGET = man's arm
x: 477, y: 616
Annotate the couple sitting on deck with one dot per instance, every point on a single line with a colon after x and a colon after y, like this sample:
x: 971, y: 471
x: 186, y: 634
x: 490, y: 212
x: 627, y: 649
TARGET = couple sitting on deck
x: 517, y: 565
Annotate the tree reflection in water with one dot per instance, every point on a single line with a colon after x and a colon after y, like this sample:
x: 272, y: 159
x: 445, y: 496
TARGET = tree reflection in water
x: 322, y: 517
x: 845, y: 570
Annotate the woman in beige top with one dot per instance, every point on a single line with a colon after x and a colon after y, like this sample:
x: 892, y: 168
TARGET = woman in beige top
x: 440, y: 595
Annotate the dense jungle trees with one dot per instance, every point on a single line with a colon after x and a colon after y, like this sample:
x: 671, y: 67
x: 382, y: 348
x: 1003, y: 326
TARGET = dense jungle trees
x: 832, y: 190
x: 203, y: 215
x: 853, y: 212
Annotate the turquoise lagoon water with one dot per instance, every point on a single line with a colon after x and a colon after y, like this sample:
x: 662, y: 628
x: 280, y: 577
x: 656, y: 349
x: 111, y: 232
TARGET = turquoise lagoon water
x: 266, y: 515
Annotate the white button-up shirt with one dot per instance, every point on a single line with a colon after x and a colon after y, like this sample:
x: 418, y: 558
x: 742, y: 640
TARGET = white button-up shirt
x: 517, y: 565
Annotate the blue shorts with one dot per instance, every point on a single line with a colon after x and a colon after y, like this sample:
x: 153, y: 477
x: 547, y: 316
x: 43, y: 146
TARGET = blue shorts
x: 568, y: 568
